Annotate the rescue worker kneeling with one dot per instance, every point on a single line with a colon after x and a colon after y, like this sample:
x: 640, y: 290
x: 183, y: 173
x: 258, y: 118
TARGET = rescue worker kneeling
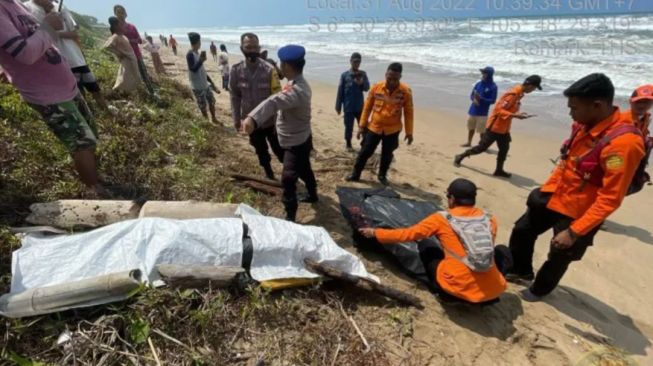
x: 466, y: 265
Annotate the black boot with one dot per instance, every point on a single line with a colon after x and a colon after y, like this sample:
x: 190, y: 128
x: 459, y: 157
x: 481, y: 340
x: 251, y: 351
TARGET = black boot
x: 459, y: 159
x: 355, y: 176
x: 383, y: 180
x: 291, y: 214
x: 309, y: 198
x: 349, y: 147
x: 499, y: 172
x: 269, y: 173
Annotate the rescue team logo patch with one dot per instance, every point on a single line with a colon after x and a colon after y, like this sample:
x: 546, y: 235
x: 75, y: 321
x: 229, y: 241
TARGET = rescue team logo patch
x: 614, y: 162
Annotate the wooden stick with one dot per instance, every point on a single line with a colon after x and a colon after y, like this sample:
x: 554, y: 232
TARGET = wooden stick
x: 156, y: 357
x: 183, y: 276
x: 260, y: 187
x: 268, y: 182
x: 364, y: 283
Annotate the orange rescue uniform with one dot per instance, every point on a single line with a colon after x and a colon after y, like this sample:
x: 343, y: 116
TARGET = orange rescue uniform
x: 588, y: 204
x: 500, y: 120
x: 643, y: 124
x: 453, y: 276
x: 386, y: 109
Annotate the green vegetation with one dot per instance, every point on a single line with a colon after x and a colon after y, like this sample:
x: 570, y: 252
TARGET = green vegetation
x: 164, y: 151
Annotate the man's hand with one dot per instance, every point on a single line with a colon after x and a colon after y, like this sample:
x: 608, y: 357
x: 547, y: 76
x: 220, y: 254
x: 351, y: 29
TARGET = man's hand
x: 522, y: 115
x: 338, y: 111
x: 216, y: 90
x: 409, y: 139
x: 564, y: 240
x: 54, y: 20
x: 74, y: 35
x: 360, y: 133
x: 368, y: 232
x: 248, y: 126
x: 203, y: 56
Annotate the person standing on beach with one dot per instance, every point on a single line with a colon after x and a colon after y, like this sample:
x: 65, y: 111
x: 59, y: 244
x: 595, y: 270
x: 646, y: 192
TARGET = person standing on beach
x: 200, y: 81
x: 353, y: 83
x: 595, y: 169
x: 639, y: 114
x: 173, y: 44
x: 293, y: 124
x: 214, y: 51
x: 127, y: 79
x: 264, y: 56
x: 499, y: 123
x: 381, y: 122
x: 483, y: 96
x: 131, y: 32
x: 223, y: 64
x: 252, y: 81
x: 68, y: 44
x: 30, y: 61
x: 154, y: 49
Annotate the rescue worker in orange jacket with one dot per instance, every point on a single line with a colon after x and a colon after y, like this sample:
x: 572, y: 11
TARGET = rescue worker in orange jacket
x: 639, y: 113
x: 448, y: 275
x: 499, y: 123
x: 573, y: 202
x: 381, y: 120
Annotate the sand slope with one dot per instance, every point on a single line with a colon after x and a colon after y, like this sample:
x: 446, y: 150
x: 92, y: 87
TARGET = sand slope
x: 604, y: 302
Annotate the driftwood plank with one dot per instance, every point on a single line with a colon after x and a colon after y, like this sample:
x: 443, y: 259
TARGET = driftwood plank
x: 363, y: 283
x: 184, y: 276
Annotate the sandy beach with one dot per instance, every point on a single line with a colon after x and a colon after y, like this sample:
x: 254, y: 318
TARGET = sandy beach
x: 603, y: 300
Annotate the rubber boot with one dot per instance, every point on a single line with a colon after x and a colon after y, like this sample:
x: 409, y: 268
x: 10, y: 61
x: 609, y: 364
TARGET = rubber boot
x: 269, y: 173
x: 499, y: 172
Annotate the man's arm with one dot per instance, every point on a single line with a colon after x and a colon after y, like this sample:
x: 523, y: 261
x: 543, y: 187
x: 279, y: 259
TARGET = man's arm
x: 620, y: 159
x: 506, y: 103
x: 341, y: 93
x: 275, y: 83
x: 263, y: 113
x: 409, y: 112
x: 422, y: 230
x: 235, y: 97
x: 25, y: 50
x: 367, y: 110
x: 366, y: 82
x: 491, y: 98
x: 192, y: 64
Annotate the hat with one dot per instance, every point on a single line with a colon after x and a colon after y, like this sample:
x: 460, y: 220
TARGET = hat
x: 463, y: 191
x: 487, y: 70
x: 534, y: 80
x: 291, y: 53
x: 193, y: 37
x: 641, y: 93
x: 356, y: 56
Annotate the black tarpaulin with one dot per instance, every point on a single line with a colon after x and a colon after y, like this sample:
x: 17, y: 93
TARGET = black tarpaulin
x: 384, y: 208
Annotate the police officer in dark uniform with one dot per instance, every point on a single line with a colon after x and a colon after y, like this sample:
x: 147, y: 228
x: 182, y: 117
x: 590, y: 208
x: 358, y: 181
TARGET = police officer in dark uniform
x: 293, y: 123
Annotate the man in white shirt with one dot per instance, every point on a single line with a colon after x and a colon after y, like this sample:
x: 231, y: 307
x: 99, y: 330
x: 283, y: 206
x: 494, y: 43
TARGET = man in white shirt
x: 68, y: 43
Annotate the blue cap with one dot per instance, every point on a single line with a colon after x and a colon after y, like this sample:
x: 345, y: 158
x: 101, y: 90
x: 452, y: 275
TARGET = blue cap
x: 487, y: 70
x: 291, y: 52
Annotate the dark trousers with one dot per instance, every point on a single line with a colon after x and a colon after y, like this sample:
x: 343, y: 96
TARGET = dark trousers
x: 260, y: 139
x: 145, y: 76
x: 297, y: 165
x: 537, y: 220
x: 371, y: 141
x: 350, y: 118
x: 489, y: 138
x: 225, y: 82
x: 432, y: 256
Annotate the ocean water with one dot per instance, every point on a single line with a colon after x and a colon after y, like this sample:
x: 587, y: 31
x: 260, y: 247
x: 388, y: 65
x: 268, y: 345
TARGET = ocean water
x: 443, y: 55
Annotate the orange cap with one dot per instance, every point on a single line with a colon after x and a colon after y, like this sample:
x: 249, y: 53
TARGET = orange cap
x: 642, y: 92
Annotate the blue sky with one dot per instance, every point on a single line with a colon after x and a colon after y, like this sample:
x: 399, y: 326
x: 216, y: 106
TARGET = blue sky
x: 149, y: 14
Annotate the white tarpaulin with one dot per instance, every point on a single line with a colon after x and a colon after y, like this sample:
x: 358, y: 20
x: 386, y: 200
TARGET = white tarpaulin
x: 134, y: 244
x: 279, y: 248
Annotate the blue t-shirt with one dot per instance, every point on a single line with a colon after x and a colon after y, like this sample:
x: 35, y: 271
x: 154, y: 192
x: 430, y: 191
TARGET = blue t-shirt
x: 487, y: 90
x: 350, y: 94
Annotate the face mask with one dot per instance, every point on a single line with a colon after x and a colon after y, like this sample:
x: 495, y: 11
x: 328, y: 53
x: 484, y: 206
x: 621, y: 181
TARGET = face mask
x: 251, y: 56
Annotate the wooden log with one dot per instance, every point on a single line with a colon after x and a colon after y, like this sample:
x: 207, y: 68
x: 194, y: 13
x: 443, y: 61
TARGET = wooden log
x: 82, y: 213
x: 185, y: 210
x: 364, y: 283
x: 260, y: 187
x: 183, y: 276
x: 269, y: 182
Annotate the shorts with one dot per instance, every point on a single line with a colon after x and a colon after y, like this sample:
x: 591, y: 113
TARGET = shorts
x: 72, y: 123
x: 86, y: 79
x: 477, y: 123
x: 204, y: 98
